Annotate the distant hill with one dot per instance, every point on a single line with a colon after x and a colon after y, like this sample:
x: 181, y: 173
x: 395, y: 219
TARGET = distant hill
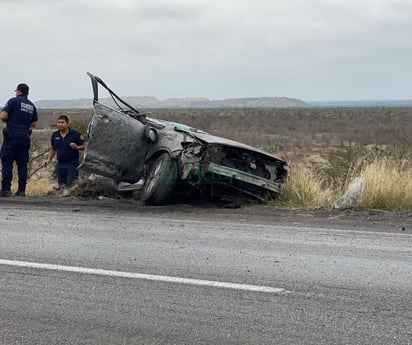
x: 362, y: 103
x: 153, y: 102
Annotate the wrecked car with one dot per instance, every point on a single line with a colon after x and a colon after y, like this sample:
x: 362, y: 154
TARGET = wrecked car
x: 171, y: 158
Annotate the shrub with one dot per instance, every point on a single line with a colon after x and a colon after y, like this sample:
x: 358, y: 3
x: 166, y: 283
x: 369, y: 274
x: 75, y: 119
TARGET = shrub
x: 388, y: 184
x: 273, y: 148
x: 342, y: 165
x: 304, y: 189
x: 81, y: 126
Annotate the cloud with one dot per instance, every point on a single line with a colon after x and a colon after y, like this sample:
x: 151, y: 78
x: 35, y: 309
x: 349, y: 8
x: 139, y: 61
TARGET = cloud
x: 316, y: 49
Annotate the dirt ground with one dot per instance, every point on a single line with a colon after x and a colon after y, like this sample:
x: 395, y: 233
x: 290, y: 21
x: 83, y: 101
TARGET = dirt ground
x: 350, y: 219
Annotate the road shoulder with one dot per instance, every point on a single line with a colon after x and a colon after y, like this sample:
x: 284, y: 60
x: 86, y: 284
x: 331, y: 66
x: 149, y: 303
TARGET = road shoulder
x: 350, y: 219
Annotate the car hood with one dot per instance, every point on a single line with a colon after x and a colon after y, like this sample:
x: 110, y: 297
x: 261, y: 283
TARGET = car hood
x: 211, y: 139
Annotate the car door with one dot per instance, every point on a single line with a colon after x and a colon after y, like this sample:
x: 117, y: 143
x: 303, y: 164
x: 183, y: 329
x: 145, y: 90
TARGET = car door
x: 116, y: 145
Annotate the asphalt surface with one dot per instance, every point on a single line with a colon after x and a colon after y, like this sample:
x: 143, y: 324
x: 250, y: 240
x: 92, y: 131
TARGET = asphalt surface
x: 117, y: 272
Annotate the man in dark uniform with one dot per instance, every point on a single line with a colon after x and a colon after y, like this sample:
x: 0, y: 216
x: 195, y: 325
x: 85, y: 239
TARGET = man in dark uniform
x: 19, y: 114
x: 67, y: 142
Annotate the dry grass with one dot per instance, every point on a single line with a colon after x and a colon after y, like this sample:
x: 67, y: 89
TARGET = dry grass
x: 388, y: 185
x: 305, y: 189
x: 42, y: 186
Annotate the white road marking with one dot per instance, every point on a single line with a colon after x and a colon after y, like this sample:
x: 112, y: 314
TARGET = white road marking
x: 159, y: 278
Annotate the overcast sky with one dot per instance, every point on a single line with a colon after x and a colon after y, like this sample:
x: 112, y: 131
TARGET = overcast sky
x: 308, y: 49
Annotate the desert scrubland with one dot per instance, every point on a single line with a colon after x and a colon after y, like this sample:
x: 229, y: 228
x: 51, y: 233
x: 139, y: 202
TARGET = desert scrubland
x: 326, y: 147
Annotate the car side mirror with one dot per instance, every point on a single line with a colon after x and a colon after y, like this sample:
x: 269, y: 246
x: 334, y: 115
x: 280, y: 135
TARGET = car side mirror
x: 150, y: 134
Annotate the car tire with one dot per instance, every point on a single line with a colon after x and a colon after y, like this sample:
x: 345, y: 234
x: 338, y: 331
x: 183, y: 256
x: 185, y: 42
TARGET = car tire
x: 160, y: 180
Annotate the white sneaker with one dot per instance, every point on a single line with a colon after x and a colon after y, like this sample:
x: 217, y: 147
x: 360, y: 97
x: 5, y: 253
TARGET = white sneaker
x: 66, y: 192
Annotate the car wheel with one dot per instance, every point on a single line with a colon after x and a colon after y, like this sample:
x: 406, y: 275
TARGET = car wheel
x: 160, y: 180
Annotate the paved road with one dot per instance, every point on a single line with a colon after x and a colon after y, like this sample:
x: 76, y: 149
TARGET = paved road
x: 72, y: 276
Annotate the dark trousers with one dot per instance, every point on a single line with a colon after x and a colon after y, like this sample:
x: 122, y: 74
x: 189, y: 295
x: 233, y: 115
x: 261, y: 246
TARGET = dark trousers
x: 67, y: 173
x: 15, y: 149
